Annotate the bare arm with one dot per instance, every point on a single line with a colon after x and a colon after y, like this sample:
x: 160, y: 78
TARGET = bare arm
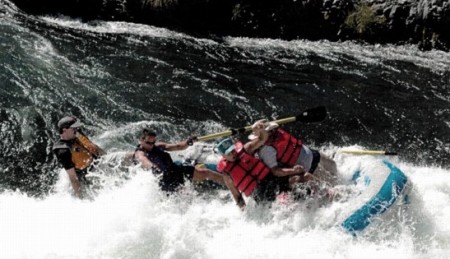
x: 176, y: 146
x: 261, y: 137
x: 146, y: 164
x: 74, y: 181
x: 237, y: 196
x: 253, y: 145
x: 279, y: 171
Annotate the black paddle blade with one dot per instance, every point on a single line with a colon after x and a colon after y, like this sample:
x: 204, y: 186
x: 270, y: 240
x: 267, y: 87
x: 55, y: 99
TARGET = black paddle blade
x: 313, y: 114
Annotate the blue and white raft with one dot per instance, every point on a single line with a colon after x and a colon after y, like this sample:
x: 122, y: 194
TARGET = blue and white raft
x: 382, y: 185
x: 379, y: 186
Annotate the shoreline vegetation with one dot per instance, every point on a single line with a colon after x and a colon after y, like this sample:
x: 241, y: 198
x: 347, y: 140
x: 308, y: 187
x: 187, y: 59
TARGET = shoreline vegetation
x: 421, y: 22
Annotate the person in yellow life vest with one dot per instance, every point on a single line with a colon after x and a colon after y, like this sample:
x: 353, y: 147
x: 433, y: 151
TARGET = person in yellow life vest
x: 246, y: 174
x: 75, y: 152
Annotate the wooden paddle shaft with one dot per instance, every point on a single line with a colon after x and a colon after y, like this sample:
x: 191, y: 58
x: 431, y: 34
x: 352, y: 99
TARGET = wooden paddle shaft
x: 310, y: 115
x: 369, y: 152
x: 285, y: 120
x: 241, y: 130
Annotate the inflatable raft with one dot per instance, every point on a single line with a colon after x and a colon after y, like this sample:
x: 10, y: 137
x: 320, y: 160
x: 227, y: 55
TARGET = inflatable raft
x: 382, y: 185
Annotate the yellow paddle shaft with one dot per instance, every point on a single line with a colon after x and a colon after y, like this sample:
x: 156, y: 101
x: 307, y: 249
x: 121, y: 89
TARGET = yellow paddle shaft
x: 227, y: 133
x: 367, y: 152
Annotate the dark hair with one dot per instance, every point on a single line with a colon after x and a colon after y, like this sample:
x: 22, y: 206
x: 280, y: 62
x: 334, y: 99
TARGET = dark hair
x: 148, y: 132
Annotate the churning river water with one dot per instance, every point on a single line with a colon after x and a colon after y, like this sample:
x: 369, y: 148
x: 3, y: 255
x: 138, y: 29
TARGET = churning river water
x: 120, y: 77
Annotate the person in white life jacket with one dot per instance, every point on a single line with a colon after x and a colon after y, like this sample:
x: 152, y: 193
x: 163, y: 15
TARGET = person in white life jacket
x: 152, y: 155
x: 75, y: 152
x: 281, y: 149
x: 246, y: 174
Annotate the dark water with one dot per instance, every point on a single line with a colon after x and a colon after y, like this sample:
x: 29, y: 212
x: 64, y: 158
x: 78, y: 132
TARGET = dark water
x: 116, y: 77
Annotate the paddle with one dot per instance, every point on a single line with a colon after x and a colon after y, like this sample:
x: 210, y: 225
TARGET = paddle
x: 309, y: 115
x: 369, y: 152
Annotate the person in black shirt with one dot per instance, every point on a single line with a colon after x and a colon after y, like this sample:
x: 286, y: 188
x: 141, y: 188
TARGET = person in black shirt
x: 152, y: 154
x: 75, y: 152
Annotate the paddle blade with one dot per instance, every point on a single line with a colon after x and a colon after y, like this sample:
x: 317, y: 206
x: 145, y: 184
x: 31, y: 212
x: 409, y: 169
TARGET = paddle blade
x: 312, y: 115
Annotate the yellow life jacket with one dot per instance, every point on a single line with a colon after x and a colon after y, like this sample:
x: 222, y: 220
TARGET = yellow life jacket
x: 84, y: 152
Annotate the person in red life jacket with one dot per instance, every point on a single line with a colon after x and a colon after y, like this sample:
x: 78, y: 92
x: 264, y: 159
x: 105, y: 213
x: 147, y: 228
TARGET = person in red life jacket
x: 281, y: 150
x: 75, y: 152
x: 152, y: 155
x: 245, y: 174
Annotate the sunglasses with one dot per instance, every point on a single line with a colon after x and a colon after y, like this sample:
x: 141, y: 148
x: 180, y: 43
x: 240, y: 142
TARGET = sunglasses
x: 150, y: 142
x: 74, y: 129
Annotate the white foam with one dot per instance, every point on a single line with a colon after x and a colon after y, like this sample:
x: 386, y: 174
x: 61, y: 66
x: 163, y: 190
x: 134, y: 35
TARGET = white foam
x: 131, y: 218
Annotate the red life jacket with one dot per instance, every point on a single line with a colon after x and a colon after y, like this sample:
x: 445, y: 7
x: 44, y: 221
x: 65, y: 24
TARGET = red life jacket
x: 288, y: 148
x: 246, y: 171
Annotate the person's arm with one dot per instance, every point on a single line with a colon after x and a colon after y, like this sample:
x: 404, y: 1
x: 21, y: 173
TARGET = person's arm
x: 252, y: 146
x: 268, y: 155
x: 279, y: 171
x: 177, y: 146
x: 64, y: 157
x: 74, y: 181
x: 145, y: 162
x: 261, y: 137
x: 237, y: 196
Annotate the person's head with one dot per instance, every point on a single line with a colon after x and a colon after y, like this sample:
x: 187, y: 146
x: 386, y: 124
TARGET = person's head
x: 264, y: 125
x: 68, y: 127
x: 147, y: 139
x: 227, y: 148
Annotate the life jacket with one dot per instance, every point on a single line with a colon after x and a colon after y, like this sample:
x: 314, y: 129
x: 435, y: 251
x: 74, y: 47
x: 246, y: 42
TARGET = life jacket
x: 158, y: 157
x: 83, y: 152
x: 246, y: 171
x: 288, y: 147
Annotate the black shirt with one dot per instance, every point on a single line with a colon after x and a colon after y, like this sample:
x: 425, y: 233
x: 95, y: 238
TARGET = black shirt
x: 62, y: 151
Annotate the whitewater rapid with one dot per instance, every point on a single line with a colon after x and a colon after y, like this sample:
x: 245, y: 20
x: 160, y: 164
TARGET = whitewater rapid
x: 120, y: 77
x: 130, y: 218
